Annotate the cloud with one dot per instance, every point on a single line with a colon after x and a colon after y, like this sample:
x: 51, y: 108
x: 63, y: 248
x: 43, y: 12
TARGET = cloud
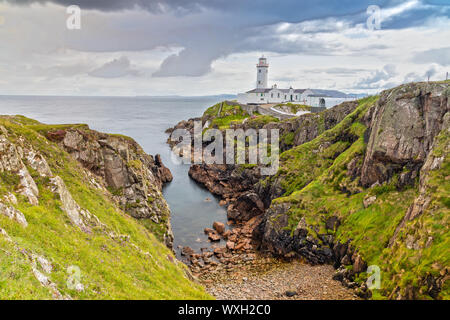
x: 115, y: 69
x: 115, y: 5
x: 186, y: 63
x: 217, y: 42
x: 392, y: 12
x: 431, y: 73
x: 440, y: 56
x: 378, y: 78
x: 293, y: 9
x: 208, y: 30
x: 338, y: 71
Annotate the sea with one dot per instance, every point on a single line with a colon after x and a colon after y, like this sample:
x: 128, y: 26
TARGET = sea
x: 145, y: 119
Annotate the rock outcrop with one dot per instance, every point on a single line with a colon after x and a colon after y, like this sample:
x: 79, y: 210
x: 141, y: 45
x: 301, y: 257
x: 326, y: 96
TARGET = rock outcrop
x: 62, y: 233
x: 241, y: 186
x: 134, y: 178
x: 403, y: 126
x: 369, y: 188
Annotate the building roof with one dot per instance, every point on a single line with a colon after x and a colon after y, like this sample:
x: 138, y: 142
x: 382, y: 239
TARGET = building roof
x: 329, y: 93
x: 260, y: 90
x: 315, y: 92
x: 319, y: 95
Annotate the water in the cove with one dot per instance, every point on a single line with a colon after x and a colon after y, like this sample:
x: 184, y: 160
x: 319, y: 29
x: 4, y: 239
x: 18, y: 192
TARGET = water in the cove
x: 145, y: 119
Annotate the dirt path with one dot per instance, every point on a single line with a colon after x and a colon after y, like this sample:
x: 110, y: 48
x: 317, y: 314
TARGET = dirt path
x: 271, y: 279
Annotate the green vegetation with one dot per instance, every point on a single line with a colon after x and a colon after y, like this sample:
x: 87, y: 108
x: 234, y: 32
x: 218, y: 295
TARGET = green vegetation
x: 320, y: 153
x: 44, y: 128
x: 136, y: 164
x: 257, y: 122
x: 228, y: 114
x: 111, y: 267
x: 234, y: 114
x: 318, y: 186
x: 288, y: 138
x: 292, y: 107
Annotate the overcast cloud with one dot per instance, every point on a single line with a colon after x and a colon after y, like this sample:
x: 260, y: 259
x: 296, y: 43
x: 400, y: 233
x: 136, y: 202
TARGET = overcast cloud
x: 139, y: 47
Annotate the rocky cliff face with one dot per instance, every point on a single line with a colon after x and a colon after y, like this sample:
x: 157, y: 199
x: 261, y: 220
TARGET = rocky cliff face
x: 241, y: 186
x: 402, y: 129
x: 362, y: 184
x: 63, y: 236
x: 373, y: 179
x: 134, y: 178
x: 299, y: 130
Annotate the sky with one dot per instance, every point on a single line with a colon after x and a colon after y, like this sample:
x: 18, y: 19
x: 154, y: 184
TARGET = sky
x: 207, y: 47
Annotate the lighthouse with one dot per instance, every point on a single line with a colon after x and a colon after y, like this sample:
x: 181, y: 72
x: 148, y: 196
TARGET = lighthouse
x: 262, y: 72
x: 263, y: 94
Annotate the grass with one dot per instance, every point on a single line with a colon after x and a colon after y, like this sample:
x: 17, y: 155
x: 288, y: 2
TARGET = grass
x: 288, y: 138
x: 258, y: 121
x: 314, y: 176
x: 293, y: 107
x: 234, y: 114
x: 110, y: 268
x: 228, y: 114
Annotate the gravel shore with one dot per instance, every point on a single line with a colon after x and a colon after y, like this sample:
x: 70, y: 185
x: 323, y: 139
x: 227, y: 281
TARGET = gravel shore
x: 271, y: 279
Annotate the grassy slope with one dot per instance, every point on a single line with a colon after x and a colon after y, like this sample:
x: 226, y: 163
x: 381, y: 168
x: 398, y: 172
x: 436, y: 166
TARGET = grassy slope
x: 315, y: 177
x: 232, y: 114
x: 293, y: 107
x: 110, y: 269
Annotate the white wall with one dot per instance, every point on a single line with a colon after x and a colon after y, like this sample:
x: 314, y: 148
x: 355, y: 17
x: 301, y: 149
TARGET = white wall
x: 261, y: 77
x: 301, y: 98
x: 329, y: 102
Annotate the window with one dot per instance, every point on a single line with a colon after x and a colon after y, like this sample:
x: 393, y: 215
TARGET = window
x: 278, y: 94
x: 322, y: 102
x: 259, y: 70
x: 262, y: 94
x: 271, y: 95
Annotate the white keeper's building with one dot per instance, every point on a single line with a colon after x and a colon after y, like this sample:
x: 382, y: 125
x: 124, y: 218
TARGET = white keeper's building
x: 262, y: 94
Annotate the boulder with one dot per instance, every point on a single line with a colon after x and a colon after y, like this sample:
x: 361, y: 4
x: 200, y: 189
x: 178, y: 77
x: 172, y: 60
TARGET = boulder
x: 368, y: 201
x: 359, y: 265
x: 219, y: 227
x: 230, y: 245
x: 187, y: 251
x: 214, y: 237
x: 290, y: 293
x: 226, y: 234
x: 220, y: 251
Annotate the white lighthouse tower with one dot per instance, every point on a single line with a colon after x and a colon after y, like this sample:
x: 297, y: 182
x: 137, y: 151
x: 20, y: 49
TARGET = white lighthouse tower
x: 262, y: 72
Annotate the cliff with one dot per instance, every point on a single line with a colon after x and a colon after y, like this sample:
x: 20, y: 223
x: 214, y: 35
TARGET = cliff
x: 71, y: 205
x: 372, y: 191
x: 133, y: 178
x: 362, y: 184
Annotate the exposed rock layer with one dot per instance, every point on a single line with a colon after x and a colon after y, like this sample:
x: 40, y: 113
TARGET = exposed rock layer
x: 134, y: 178
x: 403, y: 127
